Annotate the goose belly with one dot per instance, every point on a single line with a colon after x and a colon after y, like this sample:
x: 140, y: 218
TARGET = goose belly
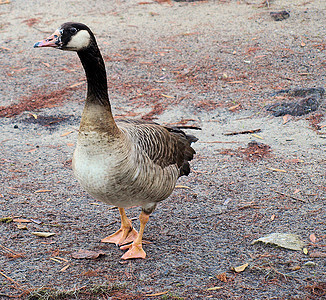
x: 118, y: 179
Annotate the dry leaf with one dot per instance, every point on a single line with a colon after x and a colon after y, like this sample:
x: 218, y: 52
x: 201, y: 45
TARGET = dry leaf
x: 257, y: 136
x: 240, y: 268
x: 86, y: 254
x: 21, y: 226
x: 295, y: 268
x: 284, y: 240
x: 317, y: 254
x: 21, y: 220
x: 182, y: 187
x: 64, y: 268
x: 312, y: 238
x: 286, y: 118
x: 43, y: 234
x: 303, y: 44
x: 77, y: 84
x: 305, y: 251
x: 234, y: 107
x: 66, y: 133
x: 215, y: 288
x: 296, y: 191
x: 156, y: 294
x: 222, y: 277
x: 276, y: 170
x: 57, y: 260
x: 38, y: 222
x: 272, y: 217
x: 167, y: 96
x: 42, y: 191
x: 6, y: 220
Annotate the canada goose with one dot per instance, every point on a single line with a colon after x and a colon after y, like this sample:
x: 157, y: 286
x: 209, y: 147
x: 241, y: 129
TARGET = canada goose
x: 124, y: 162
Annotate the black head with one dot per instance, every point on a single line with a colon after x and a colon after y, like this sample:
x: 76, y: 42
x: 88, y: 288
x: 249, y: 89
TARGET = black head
x: 70, y: 36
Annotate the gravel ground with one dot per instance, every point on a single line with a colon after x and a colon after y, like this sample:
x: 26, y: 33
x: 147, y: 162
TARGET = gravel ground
x: 213, y: 64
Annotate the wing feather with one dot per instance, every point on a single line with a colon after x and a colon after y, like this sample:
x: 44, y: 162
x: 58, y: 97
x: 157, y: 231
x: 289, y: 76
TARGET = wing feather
x: 165, y: 146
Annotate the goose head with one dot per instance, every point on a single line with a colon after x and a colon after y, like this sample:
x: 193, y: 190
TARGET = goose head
x: 70, y: 37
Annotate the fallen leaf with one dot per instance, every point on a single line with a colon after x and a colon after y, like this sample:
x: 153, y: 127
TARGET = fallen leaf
x: 286, y: 119
x: 43, y: 234
x: 296, y: 191
x: 272, y: 217
x: 276, y: 170
x: 305, y: 251
x: 33, y: 115
x: 309, y: 264
x: 46, y: 64
x: 57, y: 260
x: 64, y: 268
x: 87, y: 254
x: 66, y: 133
x: 295, y: 268
x: 234, y: 107
x: 257, y: 136
x: 182, y: 187
x: 77, y: 84
x: 240, y: 268
x: 6, y: 220
x: 42, y: 191
x: 60, y: 258
x: 303, y: 44
x: 167, y: 96
x: 294, y: 160
x: 284, y: 240
x: 312, y: 238
x: 215, y: 288
x: 21, y: 220
x: 317, y: 254
x: 222, y: 277
x: 156, y: 294
x: 36, y: 221
x: 21, y: 226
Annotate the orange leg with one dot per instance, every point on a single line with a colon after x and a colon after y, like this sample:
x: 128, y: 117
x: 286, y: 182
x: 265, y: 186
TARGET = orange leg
x: 136, y: 249
x: 126, y: 234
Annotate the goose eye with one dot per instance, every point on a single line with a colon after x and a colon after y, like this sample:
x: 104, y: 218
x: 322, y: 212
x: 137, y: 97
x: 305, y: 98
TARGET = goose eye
x: 73, y: 30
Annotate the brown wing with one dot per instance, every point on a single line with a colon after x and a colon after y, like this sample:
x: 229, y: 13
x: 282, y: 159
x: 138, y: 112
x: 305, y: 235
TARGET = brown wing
x: 164, y: 145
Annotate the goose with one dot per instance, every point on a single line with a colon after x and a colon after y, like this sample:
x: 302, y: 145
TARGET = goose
x: 123, y: 162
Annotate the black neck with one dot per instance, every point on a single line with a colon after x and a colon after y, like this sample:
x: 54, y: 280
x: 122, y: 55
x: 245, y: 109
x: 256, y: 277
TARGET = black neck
x: 97, y: 89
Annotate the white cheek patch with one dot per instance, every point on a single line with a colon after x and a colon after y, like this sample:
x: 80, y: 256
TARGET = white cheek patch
x: 79, y: 41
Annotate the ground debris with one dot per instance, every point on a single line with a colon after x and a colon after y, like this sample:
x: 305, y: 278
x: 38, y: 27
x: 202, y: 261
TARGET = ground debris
x: 318, y: 289
x: 43, y: 234
x: 280, y: 15
x: 311, y: 99
x: 240, y: 268
x: 253, y: 152
x: 87, y: 254
x: 284, y: 240
x: 243, y: 132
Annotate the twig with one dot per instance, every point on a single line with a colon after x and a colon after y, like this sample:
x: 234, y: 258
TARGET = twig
x: 10, y: 279
x: 243, y: 132
x: 292, y: 197
x: 217, y: 142
x: 8, y: 250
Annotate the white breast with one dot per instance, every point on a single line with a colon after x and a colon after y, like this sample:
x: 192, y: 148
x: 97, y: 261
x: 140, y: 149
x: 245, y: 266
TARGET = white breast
x: 119, y: 175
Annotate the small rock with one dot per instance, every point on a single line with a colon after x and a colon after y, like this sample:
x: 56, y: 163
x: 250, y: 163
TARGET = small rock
x: 280, y: 15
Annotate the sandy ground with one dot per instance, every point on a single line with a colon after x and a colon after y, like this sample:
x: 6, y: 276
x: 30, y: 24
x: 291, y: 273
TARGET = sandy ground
x: 212, y: 64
